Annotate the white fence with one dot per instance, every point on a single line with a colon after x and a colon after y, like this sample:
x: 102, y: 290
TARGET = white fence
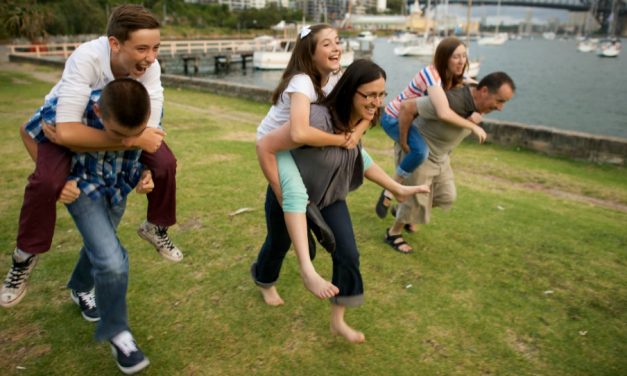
x: 171, y: 48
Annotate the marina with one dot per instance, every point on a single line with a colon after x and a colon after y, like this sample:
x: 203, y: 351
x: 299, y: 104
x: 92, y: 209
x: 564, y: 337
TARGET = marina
x: 557, y: 86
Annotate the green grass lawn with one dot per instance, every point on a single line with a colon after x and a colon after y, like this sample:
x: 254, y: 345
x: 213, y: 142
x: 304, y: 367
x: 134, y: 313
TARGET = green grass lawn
x: 524, y: 276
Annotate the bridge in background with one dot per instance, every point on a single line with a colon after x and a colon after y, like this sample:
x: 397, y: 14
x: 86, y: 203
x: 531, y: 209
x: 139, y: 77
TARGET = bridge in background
x: 604, y: 8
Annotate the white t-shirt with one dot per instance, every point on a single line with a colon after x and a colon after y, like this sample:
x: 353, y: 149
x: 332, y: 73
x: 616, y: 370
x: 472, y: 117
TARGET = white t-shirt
x: 279, y: 113
x: 88, y: 69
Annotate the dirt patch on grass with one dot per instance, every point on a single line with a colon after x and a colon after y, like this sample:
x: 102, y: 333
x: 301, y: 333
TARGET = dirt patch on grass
x: 555, y: 192
x: 522, y: 345
x: 17, y: 348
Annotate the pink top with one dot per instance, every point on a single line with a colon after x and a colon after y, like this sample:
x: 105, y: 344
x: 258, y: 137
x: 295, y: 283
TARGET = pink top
x: 426, y: 77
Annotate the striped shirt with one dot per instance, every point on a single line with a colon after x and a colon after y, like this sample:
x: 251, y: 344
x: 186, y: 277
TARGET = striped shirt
x: 110, y: 173
x: 426, y: 77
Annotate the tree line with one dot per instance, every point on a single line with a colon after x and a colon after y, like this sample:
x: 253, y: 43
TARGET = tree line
x: 38, y: 19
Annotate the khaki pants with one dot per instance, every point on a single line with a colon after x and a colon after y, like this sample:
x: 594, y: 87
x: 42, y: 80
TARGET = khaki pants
x: 439, y: 177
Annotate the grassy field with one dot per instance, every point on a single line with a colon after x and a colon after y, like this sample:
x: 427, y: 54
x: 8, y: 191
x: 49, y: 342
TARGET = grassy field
x: 525, y: 276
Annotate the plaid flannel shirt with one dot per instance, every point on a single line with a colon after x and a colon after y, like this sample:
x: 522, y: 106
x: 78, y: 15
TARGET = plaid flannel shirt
x: 110, y: 173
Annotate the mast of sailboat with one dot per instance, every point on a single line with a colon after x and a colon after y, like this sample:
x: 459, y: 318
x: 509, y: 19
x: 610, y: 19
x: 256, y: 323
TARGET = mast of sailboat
x: 498, y: 16
x: 468, y: 12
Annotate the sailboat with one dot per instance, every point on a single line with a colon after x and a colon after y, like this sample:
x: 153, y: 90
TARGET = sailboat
x: 424, y: 46
x: 497, y: 38
x: 611, y: 46
x: 588, y: 44
x: 474, y: 65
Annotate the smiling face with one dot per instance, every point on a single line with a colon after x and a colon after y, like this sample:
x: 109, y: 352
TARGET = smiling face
x: 136, y: 54
x: 457, y: 61
x: 487, y: 102
x: 366, y: 108
x: 326, y: 57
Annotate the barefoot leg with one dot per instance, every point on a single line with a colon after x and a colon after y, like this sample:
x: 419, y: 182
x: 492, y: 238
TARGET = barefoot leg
x: 340, y: 327
x: 271, y: 296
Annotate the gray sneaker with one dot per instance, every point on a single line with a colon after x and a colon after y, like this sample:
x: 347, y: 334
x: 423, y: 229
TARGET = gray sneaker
x: 158, y: 237
x: 14, y: 286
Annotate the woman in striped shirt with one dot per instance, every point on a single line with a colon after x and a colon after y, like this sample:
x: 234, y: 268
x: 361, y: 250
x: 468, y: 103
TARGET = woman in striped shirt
x: 450, y: 62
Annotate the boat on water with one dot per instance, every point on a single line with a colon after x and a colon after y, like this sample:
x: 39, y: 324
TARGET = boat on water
x: 277, y: 57
x: 549, y: 35
x: 366, y: 35
x: 404, y: 38
x: 473, y: 68
x: 609, y: 48
x: 421, y: 47
x: 588, y: 45
x: 496, y: 39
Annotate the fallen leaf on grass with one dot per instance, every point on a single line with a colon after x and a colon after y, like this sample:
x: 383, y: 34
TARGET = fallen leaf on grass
x: 240, y: 211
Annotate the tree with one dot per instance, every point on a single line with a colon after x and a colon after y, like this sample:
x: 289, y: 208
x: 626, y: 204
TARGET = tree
x: 26, y: 20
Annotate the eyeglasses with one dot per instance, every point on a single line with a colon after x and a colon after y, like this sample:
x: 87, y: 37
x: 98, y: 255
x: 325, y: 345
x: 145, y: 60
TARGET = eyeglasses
x: 373, y: 96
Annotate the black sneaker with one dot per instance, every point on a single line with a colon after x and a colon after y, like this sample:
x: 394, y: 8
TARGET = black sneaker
x: 320, y: 228
x: 129, y: 358
x: 87, y: 303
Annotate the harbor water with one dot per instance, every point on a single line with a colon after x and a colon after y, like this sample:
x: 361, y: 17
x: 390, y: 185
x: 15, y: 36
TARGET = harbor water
x: 557, y: 86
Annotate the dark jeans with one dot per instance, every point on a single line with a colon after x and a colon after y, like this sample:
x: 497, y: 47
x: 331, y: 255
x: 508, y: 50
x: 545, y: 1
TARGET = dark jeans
x: 346, y: 275
x: 38, y: 215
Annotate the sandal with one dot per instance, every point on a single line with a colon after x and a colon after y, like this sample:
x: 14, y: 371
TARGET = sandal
x: 381, y: 209
x: 396, y: 242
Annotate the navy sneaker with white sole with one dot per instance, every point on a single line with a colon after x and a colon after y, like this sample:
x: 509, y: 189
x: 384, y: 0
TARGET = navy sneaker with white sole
x: 129, y: 358
x: 86, y: 301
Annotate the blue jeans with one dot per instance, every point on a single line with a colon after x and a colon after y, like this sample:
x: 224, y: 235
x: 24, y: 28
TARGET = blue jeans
x: 102, y: 263
x: 346, y: 273
x: 418, y: 149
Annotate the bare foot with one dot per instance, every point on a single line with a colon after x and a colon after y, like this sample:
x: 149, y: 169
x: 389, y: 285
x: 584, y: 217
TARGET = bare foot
x: 351, y: 335
x: 405, y: 191
x: 271, y: 296
x: 319, y: 286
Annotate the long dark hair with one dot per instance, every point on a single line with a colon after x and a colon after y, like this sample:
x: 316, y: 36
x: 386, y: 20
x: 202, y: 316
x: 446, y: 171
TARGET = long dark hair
x: 443, y: 53
x: 340, y: 99
x: 301, y: 62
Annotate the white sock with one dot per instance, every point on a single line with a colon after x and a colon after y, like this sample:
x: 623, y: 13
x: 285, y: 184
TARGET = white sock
x: 21, y: 256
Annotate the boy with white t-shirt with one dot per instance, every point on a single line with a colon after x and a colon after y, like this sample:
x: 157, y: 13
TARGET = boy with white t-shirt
x: 129, y: 50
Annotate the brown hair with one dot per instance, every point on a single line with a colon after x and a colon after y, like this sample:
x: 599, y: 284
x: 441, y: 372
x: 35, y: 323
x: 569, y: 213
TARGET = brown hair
x: 128, y: 18
x: 340, y: 99
x: 495, y: 80
x: 443, y: 53
x: 301, y: 62
x: 125, y: 101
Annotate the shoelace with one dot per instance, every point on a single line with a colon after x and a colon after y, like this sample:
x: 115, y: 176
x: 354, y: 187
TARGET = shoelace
x: 164, y: 239
x: 127, y: 345
x: 88, y: 298
x: 16, y: 275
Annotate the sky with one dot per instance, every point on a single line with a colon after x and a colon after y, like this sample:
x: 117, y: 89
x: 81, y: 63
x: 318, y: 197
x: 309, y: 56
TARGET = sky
x: 509, y: 15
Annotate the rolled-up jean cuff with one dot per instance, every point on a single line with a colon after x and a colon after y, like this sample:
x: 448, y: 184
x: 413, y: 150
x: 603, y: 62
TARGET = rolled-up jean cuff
x: 348, y: 301
x: 253, y: 274
x: 402, y: 173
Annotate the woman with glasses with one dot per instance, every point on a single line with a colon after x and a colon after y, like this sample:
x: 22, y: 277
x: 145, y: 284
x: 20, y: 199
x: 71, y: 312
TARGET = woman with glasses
x: 450, y: 62
x: 329, y: 173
